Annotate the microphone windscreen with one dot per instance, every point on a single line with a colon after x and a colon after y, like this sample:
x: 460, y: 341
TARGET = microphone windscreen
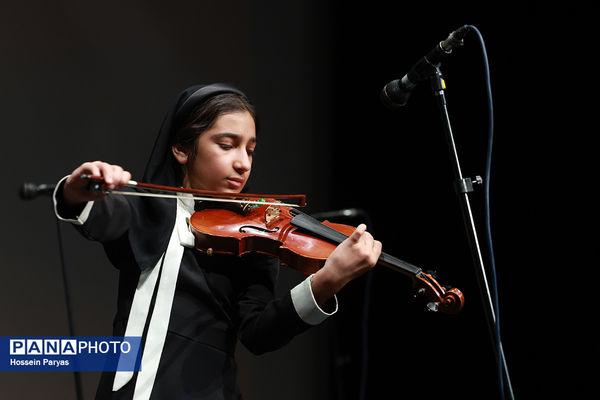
x: 28, y: 191
x: 393, y: 95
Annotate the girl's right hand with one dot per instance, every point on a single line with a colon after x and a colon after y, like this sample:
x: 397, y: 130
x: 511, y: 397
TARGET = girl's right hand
x: 75, y: 189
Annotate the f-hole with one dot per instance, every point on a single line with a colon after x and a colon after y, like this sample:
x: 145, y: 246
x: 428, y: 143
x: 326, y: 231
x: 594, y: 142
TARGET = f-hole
x: 244, y: 228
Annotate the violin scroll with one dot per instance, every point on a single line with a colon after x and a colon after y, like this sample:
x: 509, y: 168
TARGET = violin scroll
x: 448, y: 301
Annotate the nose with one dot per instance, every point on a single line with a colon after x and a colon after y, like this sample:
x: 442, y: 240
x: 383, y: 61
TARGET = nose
x: 243, y: 162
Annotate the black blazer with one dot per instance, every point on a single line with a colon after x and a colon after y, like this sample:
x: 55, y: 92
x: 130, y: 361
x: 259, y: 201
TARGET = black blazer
x: 217, y: 300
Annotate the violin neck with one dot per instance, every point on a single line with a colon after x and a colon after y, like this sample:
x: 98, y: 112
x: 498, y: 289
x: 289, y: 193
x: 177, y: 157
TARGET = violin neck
x: 314, y: 226
x: 399, y: 265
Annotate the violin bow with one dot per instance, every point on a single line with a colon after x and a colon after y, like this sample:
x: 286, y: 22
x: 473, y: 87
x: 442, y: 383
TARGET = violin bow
x: 98, y: 184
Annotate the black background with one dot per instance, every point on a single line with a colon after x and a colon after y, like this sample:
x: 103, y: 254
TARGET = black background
x: 83, y: 82
x: 401, y: 174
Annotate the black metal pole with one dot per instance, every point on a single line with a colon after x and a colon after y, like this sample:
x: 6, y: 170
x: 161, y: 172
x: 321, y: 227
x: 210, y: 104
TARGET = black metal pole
x: 463, y: 187
x: 76, y: 375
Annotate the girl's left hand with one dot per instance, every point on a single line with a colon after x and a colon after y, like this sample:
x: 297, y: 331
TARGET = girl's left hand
x: 352, y: 258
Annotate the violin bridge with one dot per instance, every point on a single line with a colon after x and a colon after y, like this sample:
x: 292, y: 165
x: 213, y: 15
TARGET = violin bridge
x: 271, y: 214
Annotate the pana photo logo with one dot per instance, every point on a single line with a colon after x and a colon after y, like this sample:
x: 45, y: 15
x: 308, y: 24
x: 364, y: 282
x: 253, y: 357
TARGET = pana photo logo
x: 66, y: 346
x: 70, y: 353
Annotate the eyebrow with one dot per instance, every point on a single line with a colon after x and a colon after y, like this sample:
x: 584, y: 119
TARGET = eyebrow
x: 231, y: 135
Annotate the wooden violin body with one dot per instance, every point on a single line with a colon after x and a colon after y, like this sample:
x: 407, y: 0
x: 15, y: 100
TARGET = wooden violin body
x: 300, y: 242
x: 262, y: 230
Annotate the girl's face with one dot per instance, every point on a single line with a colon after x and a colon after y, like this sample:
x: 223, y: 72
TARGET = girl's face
x: 224, y: 155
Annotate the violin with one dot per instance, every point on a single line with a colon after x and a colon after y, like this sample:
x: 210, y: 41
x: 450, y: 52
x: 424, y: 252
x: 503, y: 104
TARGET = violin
x: 262, y: 224
x: 301, y: 242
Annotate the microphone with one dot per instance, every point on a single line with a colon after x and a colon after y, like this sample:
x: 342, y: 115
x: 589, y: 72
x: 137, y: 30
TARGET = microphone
x: 395, y: 94
x: 343, y: 213
x: 31, y: 190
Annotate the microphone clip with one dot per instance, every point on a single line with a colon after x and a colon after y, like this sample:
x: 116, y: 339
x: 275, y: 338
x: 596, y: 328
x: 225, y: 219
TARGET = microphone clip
x: 467, y: 185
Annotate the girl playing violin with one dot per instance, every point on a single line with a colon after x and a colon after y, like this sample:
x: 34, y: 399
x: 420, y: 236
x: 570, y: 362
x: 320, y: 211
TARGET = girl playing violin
x: 189, y: 307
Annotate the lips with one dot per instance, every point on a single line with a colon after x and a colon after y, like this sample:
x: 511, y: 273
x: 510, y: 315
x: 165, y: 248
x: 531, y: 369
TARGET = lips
x: 235, y: 183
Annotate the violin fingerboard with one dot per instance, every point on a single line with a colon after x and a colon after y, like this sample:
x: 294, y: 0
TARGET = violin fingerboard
x: 314, y: 226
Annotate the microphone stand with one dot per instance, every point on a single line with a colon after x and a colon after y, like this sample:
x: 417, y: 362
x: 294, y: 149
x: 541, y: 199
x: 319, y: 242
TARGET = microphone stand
x: 71, y: 325
x: 29, y: 191
x: 464, y: 186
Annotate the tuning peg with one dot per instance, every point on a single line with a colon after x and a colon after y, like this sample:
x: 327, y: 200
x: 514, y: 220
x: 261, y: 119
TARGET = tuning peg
x: 433, y: 273
x: 433, y: 306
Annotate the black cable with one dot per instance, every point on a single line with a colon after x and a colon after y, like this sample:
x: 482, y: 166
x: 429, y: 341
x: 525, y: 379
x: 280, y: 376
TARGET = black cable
x: 364, y: 373
x: 502, y: 370
x: 358, y: 215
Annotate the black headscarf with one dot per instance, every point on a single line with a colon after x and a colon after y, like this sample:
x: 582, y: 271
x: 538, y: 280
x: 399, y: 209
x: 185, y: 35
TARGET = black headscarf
x: 153, y: 218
